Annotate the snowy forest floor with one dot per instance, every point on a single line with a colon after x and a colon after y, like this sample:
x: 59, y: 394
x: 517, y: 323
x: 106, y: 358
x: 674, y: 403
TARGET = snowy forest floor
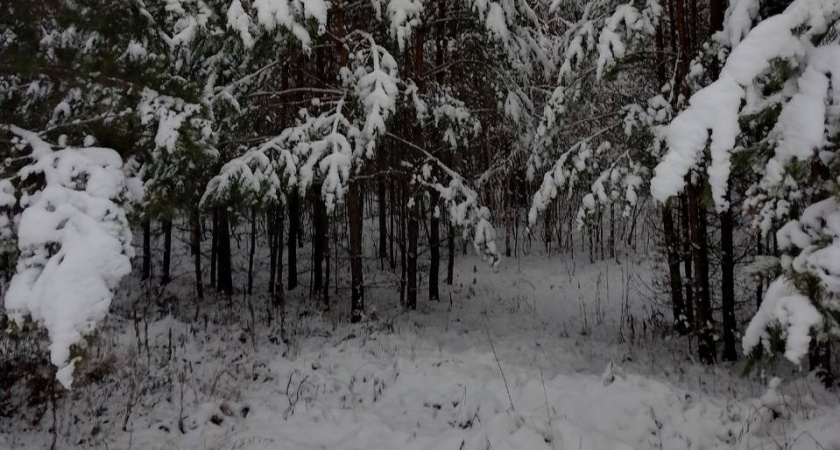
x: 548, y: 353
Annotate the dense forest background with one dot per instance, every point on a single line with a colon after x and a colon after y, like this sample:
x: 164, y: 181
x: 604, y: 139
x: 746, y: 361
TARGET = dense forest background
x: 279, y: 160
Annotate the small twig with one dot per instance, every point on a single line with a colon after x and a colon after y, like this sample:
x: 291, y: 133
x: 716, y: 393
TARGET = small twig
x: 496, y: 356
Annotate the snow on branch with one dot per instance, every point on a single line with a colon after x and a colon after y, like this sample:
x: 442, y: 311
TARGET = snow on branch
x: 787, y: 310
x: 712, y: 116
x: 261, y: 176
x: 74, y: 241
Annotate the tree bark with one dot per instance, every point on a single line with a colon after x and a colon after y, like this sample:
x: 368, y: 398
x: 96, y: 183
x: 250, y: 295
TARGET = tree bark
x: 704, y: 324
x: 688, y: 269
x: 411, y: 268
x: 252, y: 251
x: 214, y: 248
x: 320, y: 249
x: 450, y: 265
x: 383, y: 218
x: 434, y: 244
x: 167, y: 251
x: 727, y: 293
x: 294, y: 221
x: 147, y: 249
x: 278, y: 294
x: 225, y: 275
x: 671, y: 247
x: 196, y: 251
x: 355, y: 215
x: 272, y: 245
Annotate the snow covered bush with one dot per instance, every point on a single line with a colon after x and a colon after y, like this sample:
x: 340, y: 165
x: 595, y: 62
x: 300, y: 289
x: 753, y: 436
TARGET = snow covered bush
x: 73, y: 237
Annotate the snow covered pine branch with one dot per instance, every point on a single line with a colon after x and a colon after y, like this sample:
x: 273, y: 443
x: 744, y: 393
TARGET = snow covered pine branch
x: 73, y: 237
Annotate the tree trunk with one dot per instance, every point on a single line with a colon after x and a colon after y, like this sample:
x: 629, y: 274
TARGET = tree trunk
x: 294, y: 221
x: 225, y: 275
x: 320, y: 249
x: 383, y: 218
x: 403, y: 249
x: 672, y: 249
x: 214, y: 248
x: 704, y: 324
x: 411, y: 268
x: 196, y: 251
x: 355, y: 213
x: 434, y: 243
x: 759, y: 289
x: 612, y: 231
x: 450, y: 265
x: 167, y: 251
x: 147, y: 249
x: 727, y: 293
x: 272, y: 245
x: 278, y: 294
x: 716, y: 10
x: 252, y: 251
x: 688, y: 270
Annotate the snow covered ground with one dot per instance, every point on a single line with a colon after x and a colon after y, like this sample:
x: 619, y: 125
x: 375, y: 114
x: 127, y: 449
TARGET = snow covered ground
x: 548, y: 353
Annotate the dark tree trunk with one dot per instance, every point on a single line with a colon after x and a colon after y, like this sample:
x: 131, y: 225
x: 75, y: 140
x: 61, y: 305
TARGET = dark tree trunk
x: 450, y: 265
x: 413, y: 215
x: 383, y: 218
x: 147, y: 249
x: 434, y: 244
x: 672, y: 249
x: 716, y: 10
x: 355, y: 214
x: 688, y: 270
x: 320, y: 247
x: 214, y: 248
x: 167, y: 251
x: 727, y: 293
x: 196, y: 251
x: 612, y: 231
x: 278, y: 294
x: 272, y: 245
x: 403, y: 249
x: 704, y: 324
x: 393, y: 227
x: 411, y: 268
x: 294, y: 221
x: 759, y: 289
x: 225, y: 275
x: 252, y: 251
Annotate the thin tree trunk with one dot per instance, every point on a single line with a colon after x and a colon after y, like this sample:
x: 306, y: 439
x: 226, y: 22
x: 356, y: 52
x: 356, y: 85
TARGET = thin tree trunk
x: 411, y: 269
x: 355, y: 215
x: 612, y: 231
x: 252, y: 251
x: 196, y: 250
x: 278, y: 294
x: 688, y: 270
x: 434, y: 243
x: 383, y: 218
x: 704, y: 325
x: 450, y: 265
x: 225, y: 275
x: 759, y: 289
x: 167, y: 251
x: 214, y: 248
x: 272, y: 245
x: 147, y: 249
x: 294, y: 221
x: 672, y: 249
x: 727, y: 293
x: 326, y: 253
x: 402, y: 245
